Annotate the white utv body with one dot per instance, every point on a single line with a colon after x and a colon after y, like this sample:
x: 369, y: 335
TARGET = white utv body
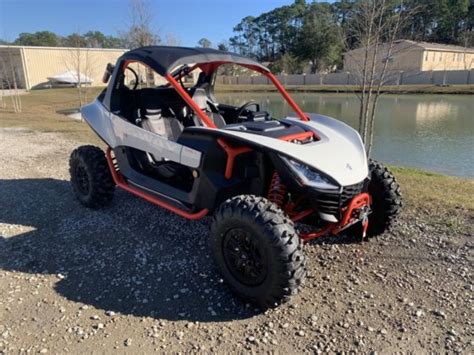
x: 175, y: 146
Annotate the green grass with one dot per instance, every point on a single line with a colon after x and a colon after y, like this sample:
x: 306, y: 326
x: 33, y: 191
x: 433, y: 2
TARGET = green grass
x: 40, y: 113
x: 421, y: 189
x: 431, y: 190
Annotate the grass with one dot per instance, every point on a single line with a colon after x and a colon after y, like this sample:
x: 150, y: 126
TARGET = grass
x: 403, y: 89
x: 430, y: 190
x: 40, y: 113
x: 423, y: 190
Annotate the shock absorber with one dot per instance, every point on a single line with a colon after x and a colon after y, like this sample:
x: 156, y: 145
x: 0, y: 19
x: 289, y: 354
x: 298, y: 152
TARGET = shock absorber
x: 277, y: 190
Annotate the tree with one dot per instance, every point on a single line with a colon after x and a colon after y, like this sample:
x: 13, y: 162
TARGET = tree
x: 172, y: 40
x: 204, y: 43
x: 449, y: 16
x: 376, y: 26
x: 96, y: 39
x: 91, y: 39
x: 140, y: 32
x: 9, y: 80
x: 40, y: 38
x: 75, y: 40
x: 79, y: 62
x: 223, y: 47
x: 287, y: 64
x: 289, y: 30
x: 319, y: 40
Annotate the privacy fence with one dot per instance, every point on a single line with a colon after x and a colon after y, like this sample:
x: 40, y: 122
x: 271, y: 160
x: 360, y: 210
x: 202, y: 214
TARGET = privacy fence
x: 448, y: 77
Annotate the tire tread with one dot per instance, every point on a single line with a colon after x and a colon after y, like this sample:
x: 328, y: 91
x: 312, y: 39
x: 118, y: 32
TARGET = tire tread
x: 102, y: 184
x: 283, y: 239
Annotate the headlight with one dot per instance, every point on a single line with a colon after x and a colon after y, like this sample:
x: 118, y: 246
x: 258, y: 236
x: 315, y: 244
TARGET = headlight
x: 309, y: 176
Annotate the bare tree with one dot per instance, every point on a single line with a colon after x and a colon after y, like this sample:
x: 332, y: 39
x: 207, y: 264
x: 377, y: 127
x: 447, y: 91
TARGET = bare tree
x: 140, y: 29
x: 172, y: 40
x: 78, y: 61
x: 3, y: 103
x: 377, y: 27
x: 468, y: 43
x: 9, y: 79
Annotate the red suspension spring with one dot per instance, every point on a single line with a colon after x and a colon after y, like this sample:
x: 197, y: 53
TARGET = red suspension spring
x: 277, y: 190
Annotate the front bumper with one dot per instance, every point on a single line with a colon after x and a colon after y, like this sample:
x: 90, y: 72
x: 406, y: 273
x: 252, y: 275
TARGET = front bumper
x: 330, y: 204
x: 356, y: 211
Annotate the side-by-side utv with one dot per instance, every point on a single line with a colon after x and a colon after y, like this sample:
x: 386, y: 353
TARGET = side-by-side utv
x: 268, y: 184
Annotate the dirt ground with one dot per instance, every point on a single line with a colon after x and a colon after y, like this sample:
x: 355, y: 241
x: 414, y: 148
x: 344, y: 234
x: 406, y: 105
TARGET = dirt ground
x: 135, y: 278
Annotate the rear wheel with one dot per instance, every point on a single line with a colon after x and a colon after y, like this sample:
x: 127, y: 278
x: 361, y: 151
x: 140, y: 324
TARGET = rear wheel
x: 90, y: 177
x: 257, y: 250
x: 386, y: 199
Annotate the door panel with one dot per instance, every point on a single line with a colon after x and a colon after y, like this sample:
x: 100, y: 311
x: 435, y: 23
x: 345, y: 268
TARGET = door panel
x: 133, y: 136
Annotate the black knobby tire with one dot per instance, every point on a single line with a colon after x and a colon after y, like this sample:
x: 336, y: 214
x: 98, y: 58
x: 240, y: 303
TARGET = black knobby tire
x: 273, y: 264
x: 386, y: 199
x: 90, y: 177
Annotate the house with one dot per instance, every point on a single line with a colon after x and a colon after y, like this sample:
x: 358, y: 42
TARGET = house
x: 30, y: 67
x: 414, y: 57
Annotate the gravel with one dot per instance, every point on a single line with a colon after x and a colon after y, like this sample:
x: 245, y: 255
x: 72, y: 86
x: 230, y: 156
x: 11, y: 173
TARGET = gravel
x: 134, y: 276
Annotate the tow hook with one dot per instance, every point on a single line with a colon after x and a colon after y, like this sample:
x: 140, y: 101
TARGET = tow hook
x: 364, y: 216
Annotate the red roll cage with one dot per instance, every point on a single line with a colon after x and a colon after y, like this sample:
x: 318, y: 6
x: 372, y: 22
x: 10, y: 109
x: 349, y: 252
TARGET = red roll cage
x: 211, y: 67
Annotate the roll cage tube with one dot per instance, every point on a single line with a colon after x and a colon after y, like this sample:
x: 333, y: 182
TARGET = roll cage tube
x: 209, y: 67
x: 287, y: 96
x: 184, y: 94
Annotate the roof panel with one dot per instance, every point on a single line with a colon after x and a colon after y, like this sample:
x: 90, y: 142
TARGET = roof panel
x: 164, y: 58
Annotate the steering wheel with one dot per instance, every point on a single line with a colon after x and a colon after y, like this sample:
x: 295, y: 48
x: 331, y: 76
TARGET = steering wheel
x: 135, y: 85
x: 247, y: 105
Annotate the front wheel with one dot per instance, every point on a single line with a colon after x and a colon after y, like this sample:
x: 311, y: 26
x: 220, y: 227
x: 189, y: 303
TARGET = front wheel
x: 386, y: 199
x: 90, y: 177
x: 257, y: 250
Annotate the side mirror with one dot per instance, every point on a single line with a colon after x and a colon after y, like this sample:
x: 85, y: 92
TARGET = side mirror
x: 108, y: 73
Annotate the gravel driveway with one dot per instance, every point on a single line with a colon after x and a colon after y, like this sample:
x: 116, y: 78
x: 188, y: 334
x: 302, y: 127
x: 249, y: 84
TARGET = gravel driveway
x: 136, y: 278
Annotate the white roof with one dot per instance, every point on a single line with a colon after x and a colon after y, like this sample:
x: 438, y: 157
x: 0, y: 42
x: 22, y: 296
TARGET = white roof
x: 404, y: 44
x: 72, y: 77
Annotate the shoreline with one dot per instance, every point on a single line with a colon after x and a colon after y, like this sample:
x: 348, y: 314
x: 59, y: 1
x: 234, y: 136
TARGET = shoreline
x: 403, y: 89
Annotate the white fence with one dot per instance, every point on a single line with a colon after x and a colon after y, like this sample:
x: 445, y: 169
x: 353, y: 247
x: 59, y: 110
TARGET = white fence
x: 448, y: 77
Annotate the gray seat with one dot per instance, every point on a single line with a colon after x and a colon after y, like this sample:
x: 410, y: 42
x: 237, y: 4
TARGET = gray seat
x: 168, y: 127
x: 201, y: 99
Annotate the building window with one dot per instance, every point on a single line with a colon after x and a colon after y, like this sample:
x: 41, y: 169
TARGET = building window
x: 426, y: 56
x: 440, y: 56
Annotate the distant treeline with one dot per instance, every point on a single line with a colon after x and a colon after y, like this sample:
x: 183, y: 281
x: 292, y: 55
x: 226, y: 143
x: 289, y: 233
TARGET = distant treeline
x: 319, y: 32
x: 91, y: 39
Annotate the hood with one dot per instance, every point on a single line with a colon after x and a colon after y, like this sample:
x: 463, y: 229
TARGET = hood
x: 339, y: 153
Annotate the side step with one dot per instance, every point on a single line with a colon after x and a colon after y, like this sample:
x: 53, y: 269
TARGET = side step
x: 148, y: 195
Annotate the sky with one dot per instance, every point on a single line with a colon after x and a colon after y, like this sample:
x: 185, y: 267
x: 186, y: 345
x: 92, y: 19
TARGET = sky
x: 188, y: 20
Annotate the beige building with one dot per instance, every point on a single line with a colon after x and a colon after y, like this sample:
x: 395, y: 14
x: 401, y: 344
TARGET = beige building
x: 33, y: 65
x: 414, y: 56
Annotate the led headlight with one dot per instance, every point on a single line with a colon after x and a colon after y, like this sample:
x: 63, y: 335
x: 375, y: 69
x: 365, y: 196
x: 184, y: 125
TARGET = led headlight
x: 309, y: 176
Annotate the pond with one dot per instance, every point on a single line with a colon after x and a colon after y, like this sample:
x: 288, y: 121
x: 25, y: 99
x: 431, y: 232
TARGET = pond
x: 432, y: 132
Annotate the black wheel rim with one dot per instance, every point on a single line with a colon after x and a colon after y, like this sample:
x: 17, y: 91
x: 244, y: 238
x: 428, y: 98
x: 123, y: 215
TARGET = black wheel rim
x: 82, y: 180
x: 244, y: 257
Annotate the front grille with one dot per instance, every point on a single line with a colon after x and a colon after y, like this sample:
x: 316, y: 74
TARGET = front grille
x: 331, y: 203
x: 348, y: 192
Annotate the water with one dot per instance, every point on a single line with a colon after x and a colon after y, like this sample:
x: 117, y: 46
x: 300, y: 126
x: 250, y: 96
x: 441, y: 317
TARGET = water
x: 433, y: 132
